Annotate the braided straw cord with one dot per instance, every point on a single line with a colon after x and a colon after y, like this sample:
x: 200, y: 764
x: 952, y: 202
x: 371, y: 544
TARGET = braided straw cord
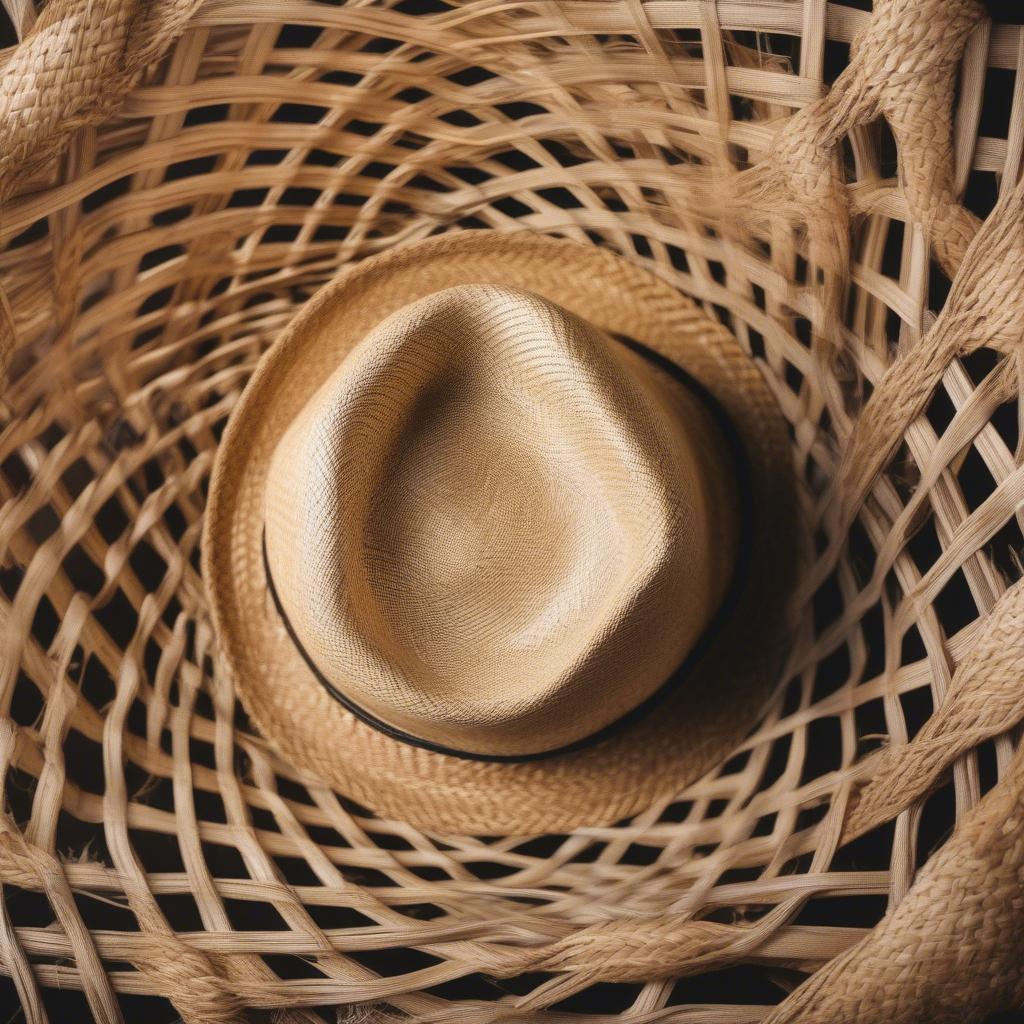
x: 73, y: 70
x: 160, y: 228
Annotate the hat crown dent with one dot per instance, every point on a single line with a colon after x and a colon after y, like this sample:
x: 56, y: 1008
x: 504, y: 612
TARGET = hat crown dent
x: 495, y: 528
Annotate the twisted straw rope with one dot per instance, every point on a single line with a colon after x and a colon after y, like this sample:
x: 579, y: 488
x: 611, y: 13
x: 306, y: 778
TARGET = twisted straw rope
x: 76, y: 67
x: 903, y: 66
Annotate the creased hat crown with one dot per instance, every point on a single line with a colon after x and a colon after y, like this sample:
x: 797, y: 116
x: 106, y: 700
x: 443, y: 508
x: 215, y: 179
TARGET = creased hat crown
x: 496, y: 530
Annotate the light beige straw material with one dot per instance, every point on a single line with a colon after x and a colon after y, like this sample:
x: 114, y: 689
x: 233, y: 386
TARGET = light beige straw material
x: 310, y: 447
x: 179, y: 178
x: 492, y: 526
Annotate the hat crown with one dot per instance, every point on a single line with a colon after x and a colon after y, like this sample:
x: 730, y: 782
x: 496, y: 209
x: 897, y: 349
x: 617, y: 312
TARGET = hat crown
x: 496, y: 529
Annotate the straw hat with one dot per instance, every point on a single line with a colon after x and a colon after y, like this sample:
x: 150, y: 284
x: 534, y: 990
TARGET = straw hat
x: 776, y: 250
x: 494, y: 537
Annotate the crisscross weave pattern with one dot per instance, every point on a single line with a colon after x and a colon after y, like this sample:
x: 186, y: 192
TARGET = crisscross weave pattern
x: 178, y: 175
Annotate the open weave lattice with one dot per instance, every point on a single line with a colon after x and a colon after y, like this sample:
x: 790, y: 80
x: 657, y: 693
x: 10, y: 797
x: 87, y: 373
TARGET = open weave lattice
x: 178, y: 176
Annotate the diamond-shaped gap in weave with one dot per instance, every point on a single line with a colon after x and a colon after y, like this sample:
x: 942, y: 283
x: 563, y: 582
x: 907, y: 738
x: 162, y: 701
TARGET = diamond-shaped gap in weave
x: 153, y: 844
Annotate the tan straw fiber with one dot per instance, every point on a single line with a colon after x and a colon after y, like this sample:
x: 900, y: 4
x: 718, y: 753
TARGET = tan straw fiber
x: 492, y: 526
x: 576, y: 606
x: 829, y: 190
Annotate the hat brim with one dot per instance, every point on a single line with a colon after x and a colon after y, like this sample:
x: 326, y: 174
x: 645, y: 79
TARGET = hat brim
x: 693, y: 728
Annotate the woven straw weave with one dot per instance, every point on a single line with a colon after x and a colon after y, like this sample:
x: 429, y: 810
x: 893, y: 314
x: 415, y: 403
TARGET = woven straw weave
x: 178, y: 176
